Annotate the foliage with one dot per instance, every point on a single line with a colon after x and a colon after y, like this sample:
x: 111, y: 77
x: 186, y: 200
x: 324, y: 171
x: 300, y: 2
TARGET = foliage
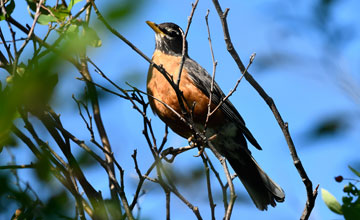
x: 26, y: 98
x: 350, y: 208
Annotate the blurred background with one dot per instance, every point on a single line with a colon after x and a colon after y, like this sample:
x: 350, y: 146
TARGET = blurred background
x: 307, y: 61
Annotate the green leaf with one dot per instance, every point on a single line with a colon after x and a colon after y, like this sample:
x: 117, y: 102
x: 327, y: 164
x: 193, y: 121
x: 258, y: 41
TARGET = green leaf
x: 72, y: 3
x: 9, y: 9
x: 352, y: 211
x: 45, y: 19
x: 61, y: 13
x: 357, y: 173
x: 331, y: 202
x: 92, y: 38
x: 32, y: 6
x: 347, y: 200
x: 72, y: 31
x: 57, y: 15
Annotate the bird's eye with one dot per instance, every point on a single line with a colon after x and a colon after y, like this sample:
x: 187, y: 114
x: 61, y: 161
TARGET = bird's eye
x: 171, y: 32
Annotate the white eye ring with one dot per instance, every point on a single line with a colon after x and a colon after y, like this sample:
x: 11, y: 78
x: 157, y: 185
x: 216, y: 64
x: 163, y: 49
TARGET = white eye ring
x: 171, y: 31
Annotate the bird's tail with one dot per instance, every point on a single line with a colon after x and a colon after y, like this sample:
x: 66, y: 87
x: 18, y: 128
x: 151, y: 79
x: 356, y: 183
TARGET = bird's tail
x: 262, y: 190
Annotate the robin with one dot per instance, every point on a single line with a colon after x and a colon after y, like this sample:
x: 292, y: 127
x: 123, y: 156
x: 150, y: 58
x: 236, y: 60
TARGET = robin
x: 226, y: 124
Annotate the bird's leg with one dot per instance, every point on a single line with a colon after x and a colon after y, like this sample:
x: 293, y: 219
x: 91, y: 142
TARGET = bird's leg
x: 193, y: 142
x: 202, y: 146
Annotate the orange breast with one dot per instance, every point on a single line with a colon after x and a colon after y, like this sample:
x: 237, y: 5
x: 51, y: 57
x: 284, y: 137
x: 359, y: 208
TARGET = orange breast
x: 160, y: 88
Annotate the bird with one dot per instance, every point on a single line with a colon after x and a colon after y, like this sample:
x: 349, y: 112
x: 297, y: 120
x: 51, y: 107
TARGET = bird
x: 226, y: 126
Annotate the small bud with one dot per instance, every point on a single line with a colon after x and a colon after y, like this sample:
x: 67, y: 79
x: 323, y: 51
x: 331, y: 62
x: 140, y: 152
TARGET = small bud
x: 339, y: 179
x: 252, y: 57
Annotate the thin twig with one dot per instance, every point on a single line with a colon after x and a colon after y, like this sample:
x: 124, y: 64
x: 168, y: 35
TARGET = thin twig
x: 55, y: 171
x: 174, y: 190
x: 213, y: 72
x: 7, y: 47
x: 93, y: 195
x: 217, y: 175
x: 10, y: 41
x: 184, y: 48
x: 159, y: 166
x: 233, y: 196
x: 141, y: 180
x: 88, y: 124
x: 164, y: 138
x: 80, y: 143
x: 81, y: 10
x: 11, y: 20
x: 208, y: 186
x: 24, y: 166
x: 31, y: 31
x: 166, y: 105
x: 252, y: 57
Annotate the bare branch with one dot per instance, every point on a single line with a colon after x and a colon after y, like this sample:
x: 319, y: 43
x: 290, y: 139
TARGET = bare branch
x: 252, y: 57
x: 213, y: 72
x: 208, y: 185
x: 31, y: 31
x: 184, y: 35
x: 167, y: 194
x: 113, y: 184
x: 55, y: 171
x: 24, y: 166
x: 229, y: 181
x: 311, y: 194
x: 7, y: 47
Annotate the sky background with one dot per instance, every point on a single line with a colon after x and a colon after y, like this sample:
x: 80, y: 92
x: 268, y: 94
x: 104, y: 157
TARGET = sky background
x: 303, y: 69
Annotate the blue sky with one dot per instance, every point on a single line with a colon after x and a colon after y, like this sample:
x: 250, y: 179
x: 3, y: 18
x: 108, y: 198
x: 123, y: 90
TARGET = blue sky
x: 304, y: 91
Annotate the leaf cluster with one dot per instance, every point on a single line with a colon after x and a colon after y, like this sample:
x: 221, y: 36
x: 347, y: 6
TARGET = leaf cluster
x: 350, y: 208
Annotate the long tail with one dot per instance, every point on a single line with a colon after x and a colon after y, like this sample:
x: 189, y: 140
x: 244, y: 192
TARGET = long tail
x: 262, y: 190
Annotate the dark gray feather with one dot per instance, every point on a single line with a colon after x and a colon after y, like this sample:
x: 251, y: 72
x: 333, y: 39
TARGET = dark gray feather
x: 202, y: 80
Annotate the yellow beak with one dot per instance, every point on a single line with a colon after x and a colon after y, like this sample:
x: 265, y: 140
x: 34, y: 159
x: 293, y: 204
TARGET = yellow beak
x: 155, y: 27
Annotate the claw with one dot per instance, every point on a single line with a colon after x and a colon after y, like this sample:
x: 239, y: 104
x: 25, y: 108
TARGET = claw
x: 200, y: 152
x: 212, y: 137
x: 190, y: 138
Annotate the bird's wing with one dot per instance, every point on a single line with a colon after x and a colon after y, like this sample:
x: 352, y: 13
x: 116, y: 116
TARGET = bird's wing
x: 202, y: 80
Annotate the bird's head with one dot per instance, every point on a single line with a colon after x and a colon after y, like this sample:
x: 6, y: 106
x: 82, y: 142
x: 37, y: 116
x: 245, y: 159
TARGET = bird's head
x: 168, y: 38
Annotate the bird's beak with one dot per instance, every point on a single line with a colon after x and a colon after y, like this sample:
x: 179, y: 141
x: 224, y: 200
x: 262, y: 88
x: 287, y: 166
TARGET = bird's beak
x: 155, y: 27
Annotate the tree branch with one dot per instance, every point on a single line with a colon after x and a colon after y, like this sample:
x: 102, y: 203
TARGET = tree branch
x: 311, y: 195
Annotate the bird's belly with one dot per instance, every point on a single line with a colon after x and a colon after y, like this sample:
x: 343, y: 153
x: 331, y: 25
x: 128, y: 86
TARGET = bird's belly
x: 164, y: 101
